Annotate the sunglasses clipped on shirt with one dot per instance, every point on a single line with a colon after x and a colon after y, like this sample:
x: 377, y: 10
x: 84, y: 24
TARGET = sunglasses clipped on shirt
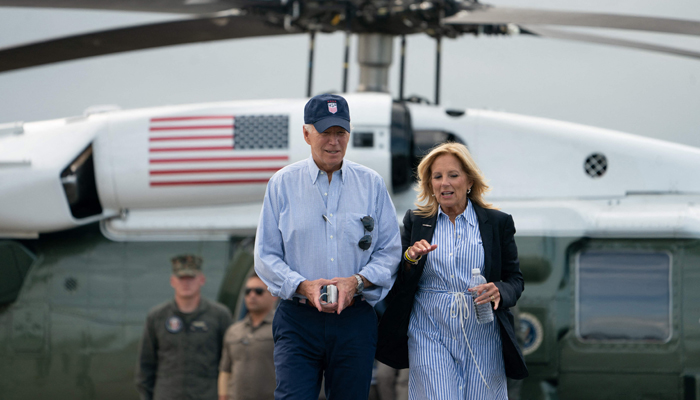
x: 257, y: 290
x: 366, y: 240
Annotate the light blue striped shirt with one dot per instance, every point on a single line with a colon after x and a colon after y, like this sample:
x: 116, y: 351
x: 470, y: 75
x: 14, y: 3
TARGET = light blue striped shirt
x: 295, y: 243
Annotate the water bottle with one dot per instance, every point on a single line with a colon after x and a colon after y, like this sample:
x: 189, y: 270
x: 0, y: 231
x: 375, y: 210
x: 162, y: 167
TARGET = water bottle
x: 484, y: 313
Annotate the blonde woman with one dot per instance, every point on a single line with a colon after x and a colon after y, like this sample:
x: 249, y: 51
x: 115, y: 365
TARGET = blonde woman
x: 430, y: 321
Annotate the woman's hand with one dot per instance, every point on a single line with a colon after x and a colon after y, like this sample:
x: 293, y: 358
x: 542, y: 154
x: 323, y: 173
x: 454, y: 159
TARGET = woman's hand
x: 420, y: 248
x: 487, y: 292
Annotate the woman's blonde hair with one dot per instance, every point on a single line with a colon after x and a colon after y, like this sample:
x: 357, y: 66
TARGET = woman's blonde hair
x: 427, y: 204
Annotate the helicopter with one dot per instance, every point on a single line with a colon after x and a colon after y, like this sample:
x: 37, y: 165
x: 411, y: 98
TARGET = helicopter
x: 94, y: 205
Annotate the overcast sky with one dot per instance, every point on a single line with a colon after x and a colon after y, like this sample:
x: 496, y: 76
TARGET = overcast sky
x: 627, y: 90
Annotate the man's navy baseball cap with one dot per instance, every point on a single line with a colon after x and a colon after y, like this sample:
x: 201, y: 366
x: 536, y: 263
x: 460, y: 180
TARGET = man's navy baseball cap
x: 326, y: 110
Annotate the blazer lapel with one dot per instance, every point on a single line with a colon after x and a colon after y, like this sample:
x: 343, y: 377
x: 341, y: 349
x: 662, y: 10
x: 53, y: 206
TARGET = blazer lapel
x: 486, y: 237
x: 427, y: 228
x: 425, y: 231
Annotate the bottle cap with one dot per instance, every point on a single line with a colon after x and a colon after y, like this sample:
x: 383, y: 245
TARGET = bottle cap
x: 476, y: 271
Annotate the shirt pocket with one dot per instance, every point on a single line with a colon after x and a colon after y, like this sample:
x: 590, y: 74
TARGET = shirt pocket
x: 354, y: 230
x: 203, y: 336
x: 238, y: 347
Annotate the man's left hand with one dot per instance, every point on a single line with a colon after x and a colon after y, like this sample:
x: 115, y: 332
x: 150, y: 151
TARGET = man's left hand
x: 346, y: 291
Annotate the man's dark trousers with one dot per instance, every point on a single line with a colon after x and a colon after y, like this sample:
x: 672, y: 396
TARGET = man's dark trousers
x: 307, y: 342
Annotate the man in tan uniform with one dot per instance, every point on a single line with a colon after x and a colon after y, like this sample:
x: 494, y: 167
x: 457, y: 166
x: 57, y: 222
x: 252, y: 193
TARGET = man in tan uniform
x: 247, y: 368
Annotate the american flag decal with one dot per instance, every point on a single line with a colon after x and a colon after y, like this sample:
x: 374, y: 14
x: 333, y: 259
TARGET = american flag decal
x: 216, y: 149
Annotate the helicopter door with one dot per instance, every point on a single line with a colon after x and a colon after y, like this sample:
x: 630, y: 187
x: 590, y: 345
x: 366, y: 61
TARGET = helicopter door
x: 625, y: 336
x: 691, y: 320
x: 15, y: 261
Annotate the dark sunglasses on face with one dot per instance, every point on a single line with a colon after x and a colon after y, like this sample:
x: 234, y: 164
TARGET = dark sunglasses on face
x: 366, y: 240
x: 257, y: 290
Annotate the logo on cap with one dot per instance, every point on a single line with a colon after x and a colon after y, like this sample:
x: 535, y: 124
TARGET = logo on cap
x: 332, y: 107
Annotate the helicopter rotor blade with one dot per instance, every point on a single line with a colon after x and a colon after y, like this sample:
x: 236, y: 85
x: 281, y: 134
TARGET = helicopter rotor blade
x: 524, y: 16
x: 587, y: 38
x: 202, y: 29
x: 161, y: 6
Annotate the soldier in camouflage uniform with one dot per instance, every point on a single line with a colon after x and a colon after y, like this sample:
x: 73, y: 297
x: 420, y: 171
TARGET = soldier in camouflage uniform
x: 182, y: 340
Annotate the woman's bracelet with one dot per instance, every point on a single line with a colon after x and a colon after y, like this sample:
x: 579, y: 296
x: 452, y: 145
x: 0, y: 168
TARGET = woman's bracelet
x: 409, y: 259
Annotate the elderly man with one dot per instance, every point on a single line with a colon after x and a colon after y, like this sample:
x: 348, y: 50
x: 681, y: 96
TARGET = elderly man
x: 247, y: 369
x: 181, y: 344
x: 326, y: 221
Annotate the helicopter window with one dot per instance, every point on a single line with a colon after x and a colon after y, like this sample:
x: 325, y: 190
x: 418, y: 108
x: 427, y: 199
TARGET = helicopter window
x: 79, y: 185
x: 424, y: 140
x: 401, y: 147
x: 623, y: 296
x: 15, y: 261
x: 362, y: 139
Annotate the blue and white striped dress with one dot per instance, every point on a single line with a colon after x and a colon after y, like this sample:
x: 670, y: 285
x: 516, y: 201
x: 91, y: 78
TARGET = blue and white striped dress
x: 440, y: 332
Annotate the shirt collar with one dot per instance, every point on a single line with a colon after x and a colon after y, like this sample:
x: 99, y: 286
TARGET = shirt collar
x: 315, y: 171
x: 467, y: 214
x: 202, y: 306
x: 267, y: 320
x: 470, y: 214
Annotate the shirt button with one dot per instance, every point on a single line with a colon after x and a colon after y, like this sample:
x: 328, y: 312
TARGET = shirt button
x: 331, y: 236
x: 322, y: 173
x: 331, y: 215
x: 450, y: 254
x: 331, y: 259
x: 452, y: 276
x: 454, y: 338
x: 325, y: 194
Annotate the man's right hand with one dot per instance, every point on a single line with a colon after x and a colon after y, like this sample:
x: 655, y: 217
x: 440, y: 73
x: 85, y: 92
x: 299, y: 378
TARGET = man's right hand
x: 312, y: 291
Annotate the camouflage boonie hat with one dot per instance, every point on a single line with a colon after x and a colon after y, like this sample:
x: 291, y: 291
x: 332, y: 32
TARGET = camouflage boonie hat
x: 186, y: 265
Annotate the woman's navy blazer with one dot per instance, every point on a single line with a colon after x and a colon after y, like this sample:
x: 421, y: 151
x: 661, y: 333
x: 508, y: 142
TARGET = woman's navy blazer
x: 501, y: 266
